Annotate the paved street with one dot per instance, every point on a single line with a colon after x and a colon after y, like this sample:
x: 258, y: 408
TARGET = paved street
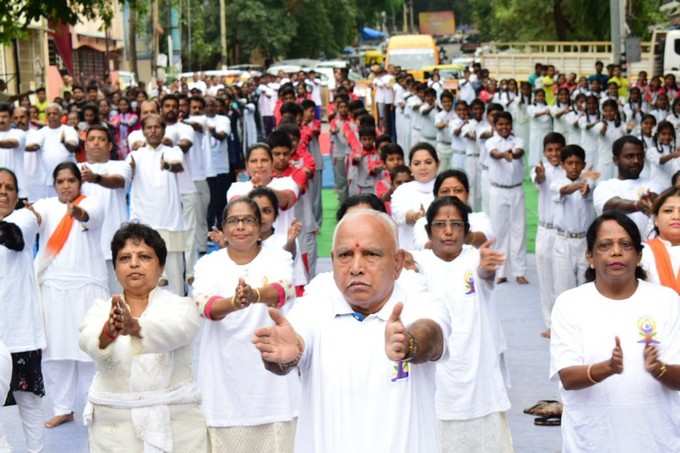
x: 527, y: 358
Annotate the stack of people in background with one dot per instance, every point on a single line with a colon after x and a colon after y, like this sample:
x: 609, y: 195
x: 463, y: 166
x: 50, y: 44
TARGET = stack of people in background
x: 128, y: 194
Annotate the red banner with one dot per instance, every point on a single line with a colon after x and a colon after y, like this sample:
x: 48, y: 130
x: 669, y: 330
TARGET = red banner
x: 61, y: 34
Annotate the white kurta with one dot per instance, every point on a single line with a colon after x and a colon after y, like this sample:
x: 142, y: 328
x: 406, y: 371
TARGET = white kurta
x: 237, y: 390
x: 626, y: 413
x: 143, y: 389
x: 353, y: 397
x: 73, y: 280
x: 410, y: 196
x: 54, y: 151
x: 21, y: 323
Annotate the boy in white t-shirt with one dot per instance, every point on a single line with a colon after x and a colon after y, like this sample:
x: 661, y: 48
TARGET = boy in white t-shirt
x: 441, y: 123
x: 543, y: 175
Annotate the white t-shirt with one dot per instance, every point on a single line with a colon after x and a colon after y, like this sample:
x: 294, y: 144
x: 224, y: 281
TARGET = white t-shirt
x: 217, y: 150
x: 154, y: 193
x: 479, y: 222
x: 354, y: 399
x: 13, y: 158
x: 237, y: 390
x: 572, y: 213
x: 628, y: 189
x: 286, y: 217
x: 500, y: 170
x: 112, y: 200
x: 54, y: 151
x: 444, y: 135
x: 197, y: 154
x: 546, y: 204
x: 198, y: 84
x: 470, y: 382
x: 21, y: 323
x: 177, y: 132
x: 626, y: 413
x: 410, y: 196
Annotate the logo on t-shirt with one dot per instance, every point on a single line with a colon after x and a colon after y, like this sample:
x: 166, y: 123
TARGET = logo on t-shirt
x: 401, y: 370
x: 647, y: 330
x: 469, y: 283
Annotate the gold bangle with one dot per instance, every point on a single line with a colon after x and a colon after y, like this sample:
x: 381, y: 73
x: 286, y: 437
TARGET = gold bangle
x: 412, y: 348
x: 590, y: 376
x: 257, y: 290
x: 233, y: 303
x: 662, y: 371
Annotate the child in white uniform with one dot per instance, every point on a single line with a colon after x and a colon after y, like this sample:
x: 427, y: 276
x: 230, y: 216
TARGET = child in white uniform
x: 540, y: 125
x: 589, y: 135
x: 543, y: 176
x: 441, y: 123
x: 506, y: 197
x: 573, y: 131
x: 573, y: 212
x: 609, y: 130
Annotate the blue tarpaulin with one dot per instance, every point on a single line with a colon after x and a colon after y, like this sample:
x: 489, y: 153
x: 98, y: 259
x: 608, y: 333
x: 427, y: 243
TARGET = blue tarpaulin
x: 369, y: 34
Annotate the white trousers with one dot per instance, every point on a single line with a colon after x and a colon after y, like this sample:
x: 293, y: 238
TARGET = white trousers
x: 444, y: 152
x: 114, y: 285
x: 508, y: 219
x: 191, y: 208
x: 569, y: 263
x: 485, y: 190
x: 67, y: 382
x: 545, y: 241
x: 31, y: 413
x: 472, y: 171
x: 201, y: 230
x: 458, y: 161
x: 277, y: 437
x: 174, y: 272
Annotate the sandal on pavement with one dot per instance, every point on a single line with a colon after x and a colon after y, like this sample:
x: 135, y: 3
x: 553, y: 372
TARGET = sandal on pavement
x: 532, y: 410
x: 547, y: 421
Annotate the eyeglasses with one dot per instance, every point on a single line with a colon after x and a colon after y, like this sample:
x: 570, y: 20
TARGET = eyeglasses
x: 607, y: 246
x: 247, y: 221
x: 442, y: 224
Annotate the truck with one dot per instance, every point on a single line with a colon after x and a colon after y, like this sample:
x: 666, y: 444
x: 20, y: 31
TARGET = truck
x: 660, y: 55
x: 412, y: 53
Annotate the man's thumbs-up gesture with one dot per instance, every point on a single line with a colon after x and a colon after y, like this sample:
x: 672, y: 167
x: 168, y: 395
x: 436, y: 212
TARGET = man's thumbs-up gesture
x: 396, y: 336
x: 278, y: 343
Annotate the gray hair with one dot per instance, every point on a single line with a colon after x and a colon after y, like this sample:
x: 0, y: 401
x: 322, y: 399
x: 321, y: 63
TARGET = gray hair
x: 54, y: 105
x: 380, y: 216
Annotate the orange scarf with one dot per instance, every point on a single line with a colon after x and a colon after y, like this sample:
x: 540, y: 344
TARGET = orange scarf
x: 664, y: 267
x: 58, y: 238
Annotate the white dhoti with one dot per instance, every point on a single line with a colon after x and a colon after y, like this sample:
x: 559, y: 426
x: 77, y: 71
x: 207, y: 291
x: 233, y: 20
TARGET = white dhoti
x: 32, y: 418
x: 508, y: 219
x: 488, y: 434
x: 545, y: 241
x: 278, y: 437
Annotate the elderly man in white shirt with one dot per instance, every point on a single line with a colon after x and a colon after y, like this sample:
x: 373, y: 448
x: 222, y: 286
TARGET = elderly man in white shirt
x: 155, y: 196
x: 56, y: 143
x: 628, y: 193
x: 366, y: 352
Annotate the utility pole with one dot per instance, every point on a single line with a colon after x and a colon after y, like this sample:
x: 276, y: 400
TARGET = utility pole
x: 412, y: 26
x: 154, y: 39
x: 615, y: 12
x: 223, y: 30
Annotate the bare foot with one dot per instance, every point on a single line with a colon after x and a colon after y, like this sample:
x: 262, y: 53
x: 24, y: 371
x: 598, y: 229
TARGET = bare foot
x: 546, y: 334
x: 59, y: 420
x: 522, y: 280
x: 501, y: 280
